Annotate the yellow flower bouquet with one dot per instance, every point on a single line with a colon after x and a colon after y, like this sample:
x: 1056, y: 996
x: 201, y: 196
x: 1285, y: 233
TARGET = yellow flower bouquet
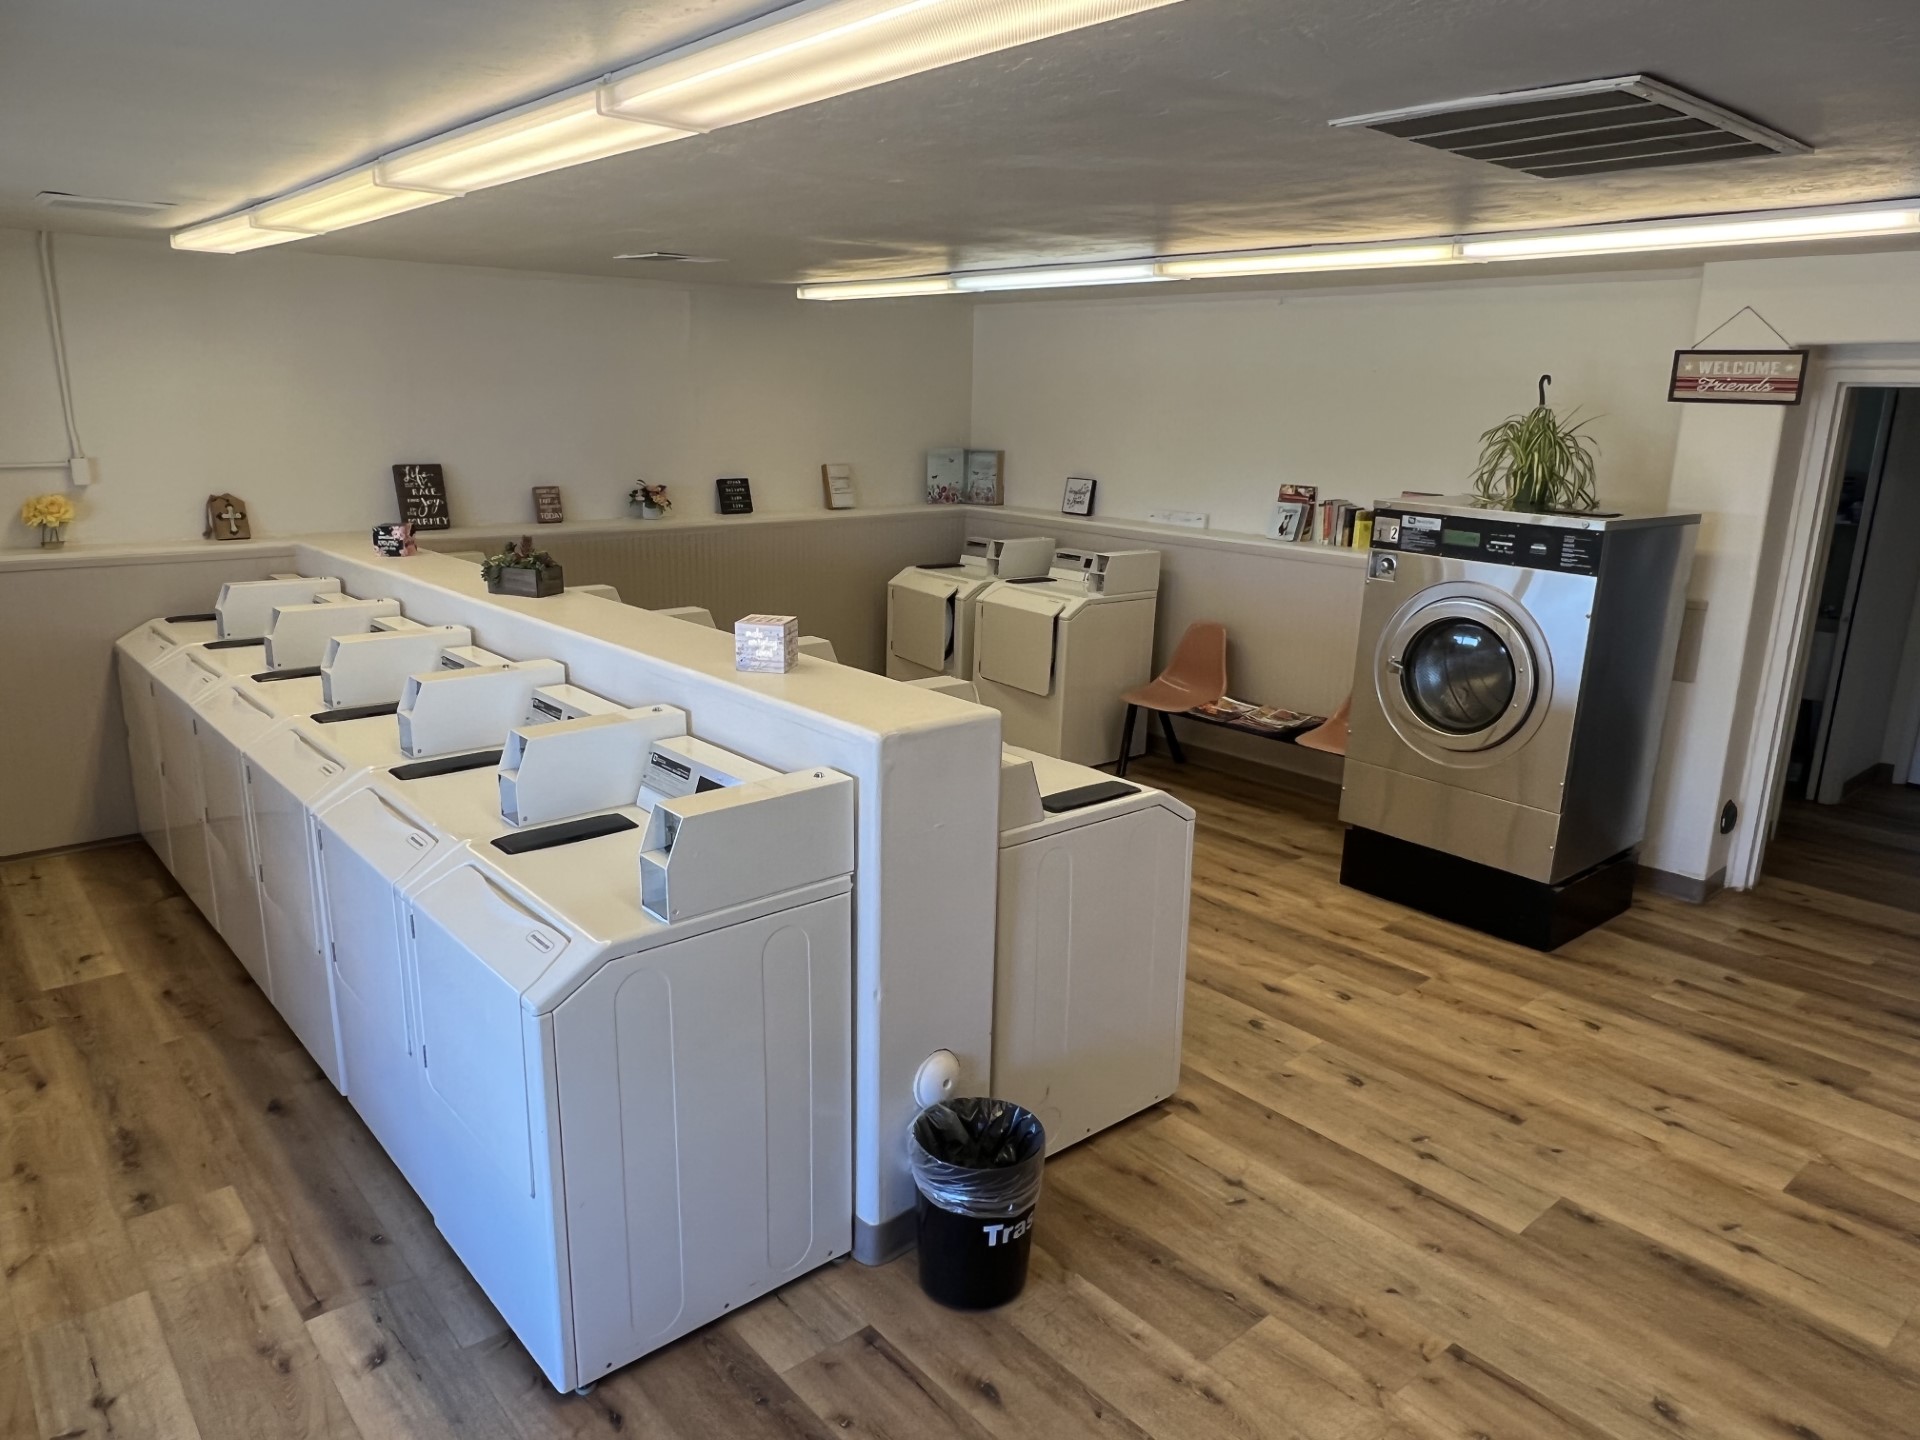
x: 51, y: 513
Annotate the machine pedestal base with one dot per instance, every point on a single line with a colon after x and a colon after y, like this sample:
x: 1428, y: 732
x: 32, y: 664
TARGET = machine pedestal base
x: 1527, y: 912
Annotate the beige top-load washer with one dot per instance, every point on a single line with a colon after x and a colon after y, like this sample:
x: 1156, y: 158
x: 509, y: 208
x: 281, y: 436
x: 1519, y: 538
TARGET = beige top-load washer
x: 1053, y: 655
x: 930, y: 608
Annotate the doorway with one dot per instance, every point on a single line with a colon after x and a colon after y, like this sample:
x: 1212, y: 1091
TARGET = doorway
x: 1850, y: 818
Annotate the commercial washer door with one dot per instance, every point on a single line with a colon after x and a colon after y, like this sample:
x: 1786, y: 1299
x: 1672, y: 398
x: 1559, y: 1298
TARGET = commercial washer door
x: 1457, y: 675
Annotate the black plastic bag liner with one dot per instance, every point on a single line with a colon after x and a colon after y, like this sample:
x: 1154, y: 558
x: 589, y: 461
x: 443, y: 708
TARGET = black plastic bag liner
x: 978, y: 1157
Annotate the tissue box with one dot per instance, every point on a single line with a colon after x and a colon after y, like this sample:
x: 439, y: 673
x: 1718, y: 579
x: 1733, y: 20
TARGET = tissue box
x: 768, y: 643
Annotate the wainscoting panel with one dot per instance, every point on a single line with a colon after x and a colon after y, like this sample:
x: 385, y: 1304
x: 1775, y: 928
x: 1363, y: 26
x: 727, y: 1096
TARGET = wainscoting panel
x: 830, y: 569
x: 61, y: 730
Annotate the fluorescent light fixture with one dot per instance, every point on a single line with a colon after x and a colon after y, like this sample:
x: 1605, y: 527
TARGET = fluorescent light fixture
x: 344, y: 201
x: 823, y: 48
x: 1902, y: 217
x: 230, y: 235
x: 534, y: 139
x: 794, y: 56
x: 1291, y: 262
x: 1692, y: 235
x: 876, y: 289
x: 1048, y: 277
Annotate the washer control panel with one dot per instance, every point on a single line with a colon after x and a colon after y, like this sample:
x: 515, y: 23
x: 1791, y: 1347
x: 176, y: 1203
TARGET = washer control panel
x: 1496, y: 541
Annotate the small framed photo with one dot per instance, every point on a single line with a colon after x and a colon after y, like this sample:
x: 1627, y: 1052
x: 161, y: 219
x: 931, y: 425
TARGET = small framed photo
x: 1078, y: 496
x: 1291, y: 520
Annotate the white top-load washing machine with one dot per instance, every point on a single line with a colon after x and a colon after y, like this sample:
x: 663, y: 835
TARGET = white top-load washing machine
x: 229, y: 715
x: 635, y: 1040
x: 1508, y: 696
x: 1054, y: 655
x: 291, y: 768
x: 136, y: 653
x: 1090, y: 952
x: 930, y: 608
x: 1090, y: 941
x: 387, y: 828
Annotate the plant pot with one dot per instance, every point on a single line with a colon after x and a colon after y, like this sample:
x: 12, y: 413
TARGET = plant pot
x: 652, y: 512
x: 520, y: 580
x: 52, y: 537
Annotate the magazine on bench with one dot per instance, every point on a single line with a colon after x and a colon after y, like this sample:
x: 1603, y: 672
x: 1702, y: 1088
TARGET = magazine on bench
x: 1259, y: 719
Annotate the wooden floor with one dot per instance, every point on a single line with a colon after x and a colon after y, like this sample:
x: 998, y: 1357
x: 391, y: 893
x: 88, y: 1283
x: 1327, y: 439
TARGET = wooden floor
x: 1416, y: 1184
x: 1867, y: 846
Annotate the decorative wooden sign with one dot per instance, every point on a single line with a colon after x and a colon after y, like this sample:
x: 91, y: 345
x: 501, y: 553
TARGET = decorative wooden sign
x: 1738, y: 377
x: 422, y: 492
x: 546, y: 505
x: 226, y: 519
x: 735, y: 496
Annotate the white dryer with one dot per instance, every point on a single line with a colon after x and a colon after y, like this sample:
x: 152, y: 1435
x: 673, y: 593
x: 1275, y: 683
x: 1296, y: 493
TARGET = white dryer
x: 640, y: 1112
x: 1053, y: 655
x: 930, y: 608
x: 1090, y: 953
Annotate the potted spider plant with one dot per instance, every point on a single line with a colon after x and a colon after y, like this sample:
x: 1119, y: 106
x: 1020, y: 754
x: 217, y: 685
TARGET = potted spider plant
x: 519, y: 569
x: 1538, y: 461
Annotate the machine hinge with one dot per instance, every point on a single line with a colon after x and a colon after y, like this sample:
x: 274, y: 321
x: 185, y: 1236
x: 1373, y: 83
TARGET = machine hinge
x: 410, y: 930
x: 333, y: 953
x: 423, y: 1054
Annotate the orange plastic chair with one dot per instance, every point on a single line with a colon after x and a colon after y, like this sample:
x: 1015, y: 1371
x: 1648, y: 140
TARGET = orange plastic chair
x: 1196, y: 675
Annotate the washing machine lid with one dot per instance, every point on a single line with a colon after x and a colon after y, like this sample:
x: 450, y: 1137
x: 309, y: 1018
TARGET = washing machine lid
x: 1457, y: 674
x: 1014, y: 636
x: 921, y: 625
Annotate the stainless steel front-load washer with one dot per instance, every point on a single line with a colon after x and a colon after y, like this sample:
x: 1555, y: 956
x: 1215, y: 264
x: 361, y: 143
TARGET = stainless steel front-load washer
x: 1508, y: 694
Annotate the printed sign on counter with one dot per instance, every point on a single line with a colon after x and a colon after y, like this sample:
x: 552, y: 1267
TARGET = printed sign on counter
x: 422, y: 492
x: 1738, y: 377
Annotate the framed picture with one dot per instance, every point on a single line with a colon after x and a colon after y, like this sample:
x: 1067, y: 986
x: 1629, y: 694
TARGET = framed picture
x: 547, y: 509
x: 986, y: 476
x: 1077, y: 499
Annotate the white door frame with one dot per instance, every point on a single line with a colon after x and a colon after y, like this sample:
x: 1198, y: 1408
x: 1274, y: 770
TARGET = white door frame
x: 1804, y: 513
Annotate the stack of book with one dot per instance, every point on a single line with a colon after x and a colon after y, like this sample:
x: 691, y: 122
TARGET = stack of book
x: 1299, y: 514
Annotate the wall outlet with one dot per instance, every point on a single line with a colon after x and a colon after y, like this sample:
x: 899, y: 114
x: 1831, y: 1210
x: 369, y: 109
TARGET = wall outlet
x: 1189, y: 519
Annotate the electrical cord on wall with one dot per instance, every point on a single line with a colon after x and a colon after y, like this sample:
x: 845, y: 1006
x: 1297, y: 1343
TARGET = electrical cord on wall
x: 78, y: 467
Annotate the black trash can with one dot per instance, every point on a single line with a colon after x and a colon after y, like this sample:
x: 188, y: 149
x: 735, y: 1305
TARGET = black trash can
x: 977, y: 1165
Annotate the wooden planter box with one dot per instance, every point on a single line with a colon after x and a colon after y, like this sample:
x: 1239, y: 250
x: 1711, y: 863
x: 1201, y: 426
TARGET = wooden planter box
x: 531, y: 583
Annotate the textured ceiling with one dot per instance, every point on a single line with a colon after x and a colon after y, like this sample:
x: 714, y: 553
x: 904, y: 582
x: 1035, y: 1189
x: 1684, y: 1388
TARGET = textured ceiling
x: 1198, y: 126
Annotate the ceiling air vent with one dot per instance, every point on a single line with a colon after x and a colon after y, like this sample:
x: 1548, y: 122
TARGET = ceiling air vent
x: 670, y: 257
x: 61, y: 200
x: 1595, y: 127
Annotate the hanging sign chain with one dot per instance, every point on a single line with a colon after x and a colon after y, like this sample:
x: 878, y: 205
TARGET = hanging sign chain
x: 1744, y: 310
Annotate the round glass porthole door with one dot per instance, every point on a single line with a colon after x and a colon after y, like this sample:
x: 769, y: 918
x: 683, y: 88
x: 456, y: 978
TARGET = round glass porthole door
x: 1457, y: 675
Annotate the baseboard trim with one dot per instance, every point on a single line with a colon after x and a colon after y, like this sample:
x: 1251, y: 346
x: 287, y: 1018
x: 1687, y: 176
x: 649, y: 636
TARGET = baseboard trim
x: 877, y: 1244
x: 1280, y: 777
x: 1873, y: 775
x: 1683, y: 887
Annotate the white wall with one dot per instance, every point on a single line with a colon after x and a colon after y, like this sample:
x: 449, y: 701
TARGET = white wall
x: 1738, y: 465
x: 297, y: 380
x: 1210, y: 403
